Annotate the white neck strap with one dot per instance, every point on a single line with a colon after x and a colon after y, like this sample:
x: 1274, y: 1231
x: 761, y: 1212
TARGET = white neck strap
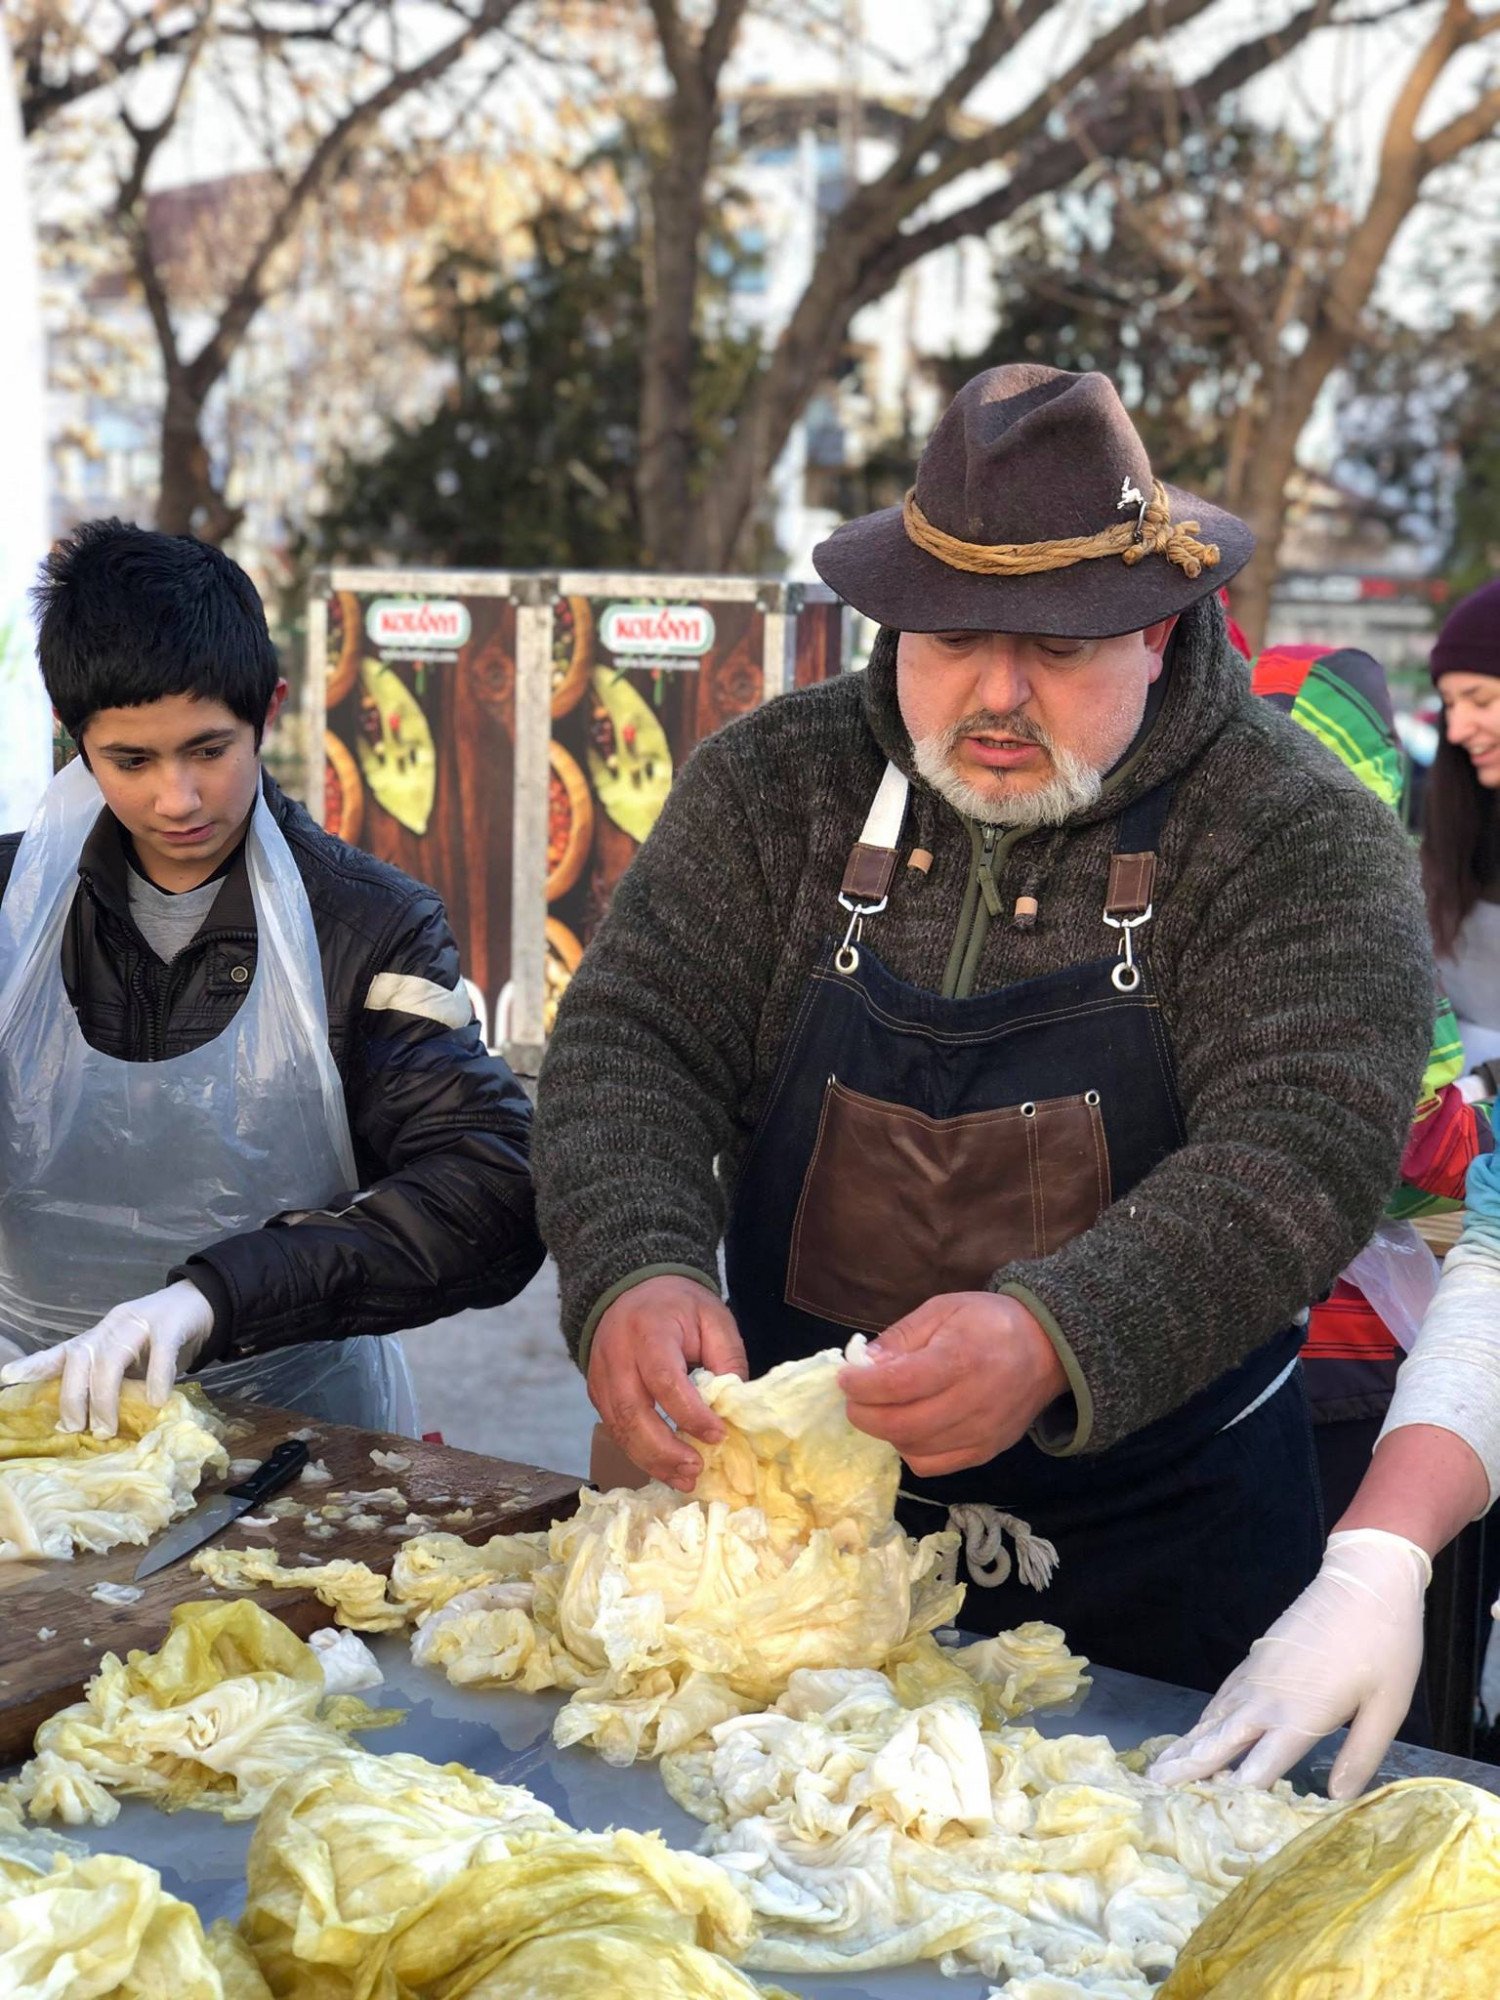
x: 883, y: 825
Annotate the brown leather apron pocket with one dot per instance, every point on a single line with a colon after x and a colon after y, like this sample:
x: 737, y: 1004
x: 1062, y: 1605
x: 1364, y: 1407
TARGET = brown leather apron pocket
x: 897, y: 1207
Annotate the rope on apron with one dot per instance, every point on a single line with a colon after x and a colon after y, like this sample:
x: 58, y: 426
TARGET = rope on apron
x: 981, y: 1529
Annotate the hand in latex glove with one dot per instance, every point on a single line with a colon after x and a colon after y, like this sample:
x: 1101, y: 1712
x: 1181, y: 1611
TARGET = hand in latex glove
x: 168, y: 1328
x: 1351, y: 1646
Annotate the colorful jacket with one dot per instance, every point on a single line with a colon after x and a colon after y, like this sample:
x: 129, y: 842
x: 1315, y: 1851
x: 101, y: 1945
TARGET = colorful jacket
x: 1351, y: 1358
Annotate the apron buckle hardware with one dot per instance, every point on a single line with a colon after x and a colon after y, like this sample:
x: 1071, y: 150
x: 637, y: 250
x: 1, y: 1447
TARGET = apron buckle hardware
x: 846, y: 958
x: 1126, y: 976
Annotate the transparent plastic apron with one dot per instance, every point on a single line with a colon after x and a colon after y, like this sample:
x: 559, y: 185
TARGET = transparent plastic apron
x: 112, y: 1173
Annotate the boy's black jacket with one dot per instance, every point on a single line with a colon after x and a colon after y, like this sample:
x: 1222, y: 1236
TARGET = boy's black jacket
x: 445, y: 1217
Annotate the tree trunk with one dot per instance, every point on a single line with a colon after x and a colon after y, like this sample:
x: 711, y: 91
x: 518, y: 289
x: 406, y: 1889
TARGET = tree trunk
x: 862, y: 256
x: 802, y: 358
x: 663, y: 480
x: 1405, y: 163
x: 189, y: 503
x: 1261, y: 500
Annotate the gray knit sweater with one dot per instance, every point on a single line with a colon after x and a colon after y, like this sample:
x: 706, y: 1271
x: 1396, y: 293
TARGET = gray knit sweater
x: 1289, y: 951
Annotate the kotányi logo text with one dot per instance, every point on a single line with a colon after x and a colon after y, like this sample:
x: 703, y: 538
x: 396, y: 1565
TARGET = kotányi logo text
x: 400, y: 623
x: 670, y: 630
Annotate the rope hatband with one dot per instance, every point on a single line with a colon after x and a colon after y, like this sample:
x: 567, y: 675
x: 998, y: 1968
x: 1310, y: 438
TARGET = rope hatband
x: 1155, y: 533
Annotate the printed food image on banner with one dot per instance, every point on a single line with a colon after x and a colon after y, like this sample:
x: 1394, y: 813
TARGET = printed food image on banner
x: 396, y: 751
x: 570, y: 821
x: 564, y: 952
x: 419, y: 755
x: 572, y: 652
x: 630, y: 765
x: 343, y: 791
x: 345, y: 644
x: 636, y: 685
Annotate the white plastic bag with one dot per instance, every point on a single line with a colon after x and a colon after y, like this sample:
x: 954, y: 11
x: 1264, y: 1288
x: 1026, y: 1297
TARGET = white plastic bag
x: 1398, y: 1275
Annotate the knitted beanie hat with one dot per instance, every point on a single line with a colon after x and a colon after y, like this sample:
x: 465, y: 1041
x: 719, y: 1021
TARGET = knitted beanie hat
x: 1469, y: 642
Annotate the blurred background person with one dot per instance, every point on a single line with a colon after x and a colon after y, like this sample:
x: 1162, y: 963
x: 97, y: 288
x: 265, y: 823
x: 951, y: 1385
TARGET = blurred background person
x: 1357, y: 1334
x: 1461, y: 843
x: 1408, y: 1442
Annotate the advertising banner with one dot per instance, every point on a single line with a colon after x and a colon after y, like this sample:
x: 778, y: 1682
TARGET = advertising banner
x: 637, y: 681
x: 419, y: 749
x: 511, y: 739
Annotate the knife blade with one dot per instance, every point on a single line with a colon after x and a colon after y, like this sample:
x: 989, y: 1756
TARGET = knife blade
x: 212, y: 1516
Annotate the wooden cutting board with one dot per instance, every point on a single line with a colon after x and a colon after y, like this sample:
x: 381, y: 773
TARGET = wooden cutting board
x: 41, y: 1674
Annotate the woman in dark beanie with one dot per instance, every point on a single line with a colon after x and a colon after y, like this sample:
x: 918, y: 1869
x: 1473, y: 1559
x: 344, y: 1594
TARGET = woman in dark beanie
x: 1461, y: 845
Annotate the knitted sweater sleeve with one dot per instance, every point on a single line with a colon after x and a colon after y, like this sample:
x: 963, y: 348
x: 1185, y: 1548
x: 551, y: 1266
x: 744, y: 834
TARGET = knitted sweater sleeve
x: 653, y: 1053
x: 1301, y: 1014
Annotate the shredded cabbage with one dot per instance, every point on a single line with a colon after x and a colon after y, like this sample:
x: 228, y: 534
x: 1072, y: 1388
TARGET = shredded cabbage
x: 100, y: 1927
x: 1394, y: 1898
x: 214, y: 1720
x: 664, y: 1614
x: 355, y: 1592
x: 61, y: 1490
x: 376, y: 1877
x: 868, y: 1833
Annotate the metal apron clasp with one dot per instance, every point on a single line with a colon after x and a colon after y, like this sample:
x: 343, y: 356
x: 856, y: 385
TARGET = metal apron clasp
x: 1126, y: 976
x: 846, y: 958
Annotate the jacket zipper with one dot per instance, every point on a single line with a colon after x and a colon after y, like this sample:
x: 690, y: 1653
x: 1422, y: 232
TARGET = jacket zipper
x: 168, y: 984
x: 159, y: 992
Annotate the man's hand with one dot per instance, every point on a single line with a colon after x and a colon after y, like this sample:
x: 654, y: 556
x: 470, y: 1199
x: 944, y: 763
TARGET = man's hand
x: 1350, y: 1647
x: 962, y: 1377
x: 168, y: 1328
x: 643, y: 1347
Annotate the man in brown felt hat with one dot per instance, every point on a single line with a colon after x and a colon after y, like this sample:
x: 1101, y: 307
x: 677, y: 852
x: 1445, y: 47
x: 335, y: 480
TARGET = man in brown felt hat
x: 1038, y: 1001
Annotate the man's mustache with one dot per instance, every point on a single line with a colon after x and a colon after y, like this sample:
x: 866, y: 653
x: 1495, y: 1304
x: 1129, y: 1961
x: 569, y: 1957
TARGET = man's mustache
x: 985, y: 722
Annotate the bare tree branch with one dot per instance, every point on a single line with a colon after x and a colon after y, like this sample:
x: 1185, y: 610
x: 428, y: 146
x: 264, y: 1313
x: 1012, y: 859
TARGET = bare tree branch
x: 868, y: 248
x: 147, y: 139
x: 673, y: 40
x: 719, y: 37
x: 1153, y: 17
x: 1122, y: 120
x: 140, y: 44
x: 994, y: 40
x: 1477, y: 123
x: 284, y: 102
x: 249, y: 294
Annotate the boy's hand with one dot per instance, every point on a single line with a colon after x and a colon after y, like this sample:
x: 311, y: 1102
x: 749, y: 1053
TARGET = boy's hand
x: 168, y: 1328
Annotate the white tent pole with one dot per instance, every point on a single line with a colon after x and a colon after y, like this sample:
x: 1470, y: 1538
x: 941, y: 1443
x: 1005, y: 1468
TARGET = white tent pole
x: 25, y: 718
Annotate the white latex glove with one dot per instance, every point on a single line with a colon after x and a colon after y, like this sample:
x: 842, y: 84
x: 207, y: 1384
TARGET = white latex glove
x: 167, y: 1327
x: 1350, y: 1646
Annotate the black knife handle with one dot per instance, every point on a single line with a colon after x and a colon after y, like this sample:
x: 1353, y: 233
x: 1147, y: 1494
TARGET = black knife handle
x: 285, y: 1462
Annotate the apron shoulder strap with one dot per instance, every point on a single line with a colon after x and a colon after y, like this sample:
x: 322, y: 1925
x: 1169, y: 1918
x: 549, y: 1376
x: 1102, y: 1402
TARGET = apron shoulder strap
x: 1132, y: 870
x: 871, y: 867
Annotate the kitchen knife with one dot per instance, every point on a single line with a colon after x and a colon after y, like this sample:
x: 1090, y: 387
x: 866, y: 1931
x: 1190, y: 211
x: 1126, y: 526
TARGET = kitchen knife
x: 211, y: 1517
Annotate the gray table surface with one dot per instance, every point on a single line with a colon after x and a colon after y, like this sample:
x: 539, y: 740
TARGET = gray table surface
x: 507, y: 1736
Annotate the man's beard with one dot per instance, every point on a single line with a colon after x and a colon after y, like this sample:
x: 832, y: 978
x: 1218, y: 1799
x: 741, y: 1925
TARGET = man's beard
x: 1073, y: 786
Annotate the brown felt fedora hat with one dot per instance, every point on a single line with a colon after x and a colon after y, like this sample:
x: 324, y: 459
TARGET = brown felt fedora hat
x: 1034, y: 510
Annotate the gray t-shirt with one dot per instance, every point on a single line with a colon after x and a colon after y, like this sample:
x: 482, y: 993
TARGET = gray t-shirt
x: 169, y: 923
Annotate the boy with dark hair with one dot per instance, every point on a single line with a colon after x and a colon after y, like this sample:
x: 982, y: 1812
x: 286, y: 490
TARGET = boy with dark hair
x: 241, y: 1085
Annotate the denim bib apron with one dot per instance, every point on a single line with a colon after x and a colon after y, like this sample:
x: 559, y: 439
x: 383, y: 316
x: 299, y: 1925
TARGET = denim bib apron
x: 914, y: 1145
